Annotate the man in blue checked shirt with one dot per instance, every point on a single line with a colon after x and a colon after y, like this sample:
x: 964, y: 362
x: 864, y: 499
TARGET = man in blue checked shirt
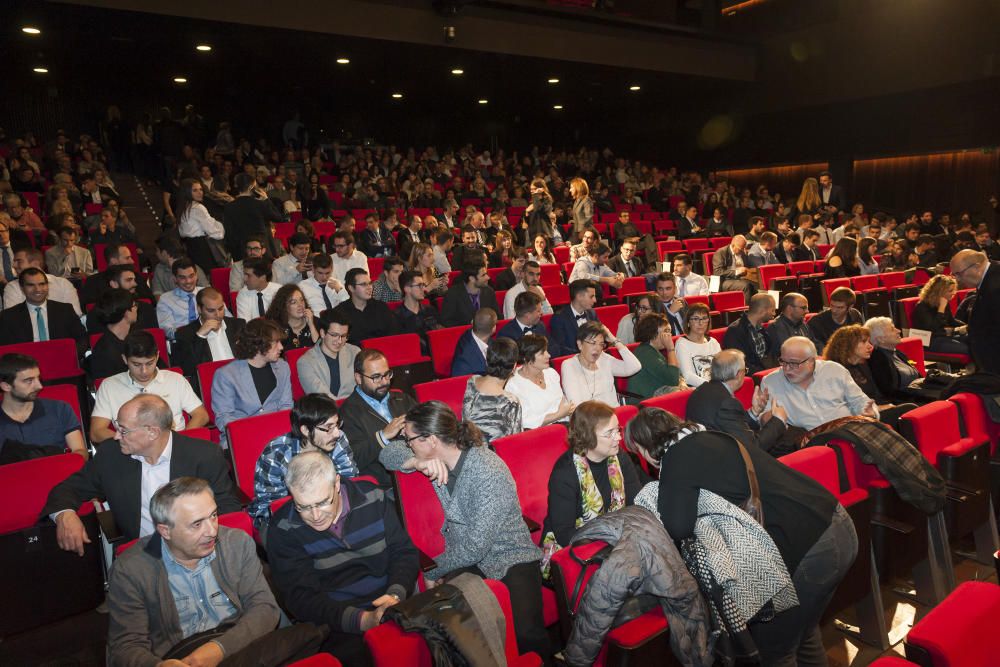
x: 315, y: 427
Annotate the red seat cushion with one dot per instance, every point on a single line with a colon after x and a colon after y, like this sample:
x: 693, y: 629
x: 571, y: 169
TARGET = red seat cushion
x: 961, y: 631
x: 640, y: 630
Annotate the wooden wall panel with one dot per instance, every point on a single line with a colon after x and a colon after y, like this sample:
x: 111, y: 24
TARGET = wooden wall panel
x: 785, y: 180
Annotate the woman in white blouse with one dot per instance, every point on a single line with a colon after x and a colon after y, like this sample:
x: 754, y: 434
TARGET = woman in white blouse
x: 196, y: 226
x: 696, y: 348
x: 590, y: 375
x: 536, y: 385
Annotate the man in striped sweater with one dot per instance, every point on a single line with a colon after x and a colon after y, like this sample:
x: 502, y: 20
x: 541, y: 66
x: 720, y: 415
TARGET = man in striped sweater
x: 338, y: 554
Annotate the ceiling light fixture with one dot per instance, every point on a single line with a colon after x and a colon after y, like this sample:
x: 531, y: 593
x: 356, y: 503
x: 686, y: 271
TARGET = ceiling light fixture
x: 634, y: 88
x: 40, y: 70
x: 203, y: 47
x: 397, y: 96
x: 458, y: 72
x: 557, y: 107
x: 31, y: 30
x: 343, y: 61
x: 553, y: 80
x: 180, y: 79
x: 484, y: 101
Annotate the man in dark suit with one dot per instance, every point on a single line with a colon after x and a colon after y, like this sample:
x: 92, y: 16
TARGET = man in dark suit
x: 470, y: 350
x: 38, y: 318
x: 527, y: 318
x: 470, y: 252
x: 123, y: 276
x: 830, y: 194
x: 373, y: 416
x: 626, y: 262
x: 973, y: 269
x: 689, y: 226
x: 127, y: 471
x: 211, y: 337
x: 714, y: 405
x: 375, y: 240
x: 115, y: 255
x: 747, y: 334
x: 583, y: 296
x: 411, y: 236
x: 730, y: 264
x: 469, y: 293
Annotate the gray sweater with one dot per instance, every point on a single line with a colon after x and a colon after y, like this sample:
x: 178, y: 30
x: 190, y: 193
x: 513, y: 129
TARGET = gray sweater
x: 144, y: 624
x: 483, y: 525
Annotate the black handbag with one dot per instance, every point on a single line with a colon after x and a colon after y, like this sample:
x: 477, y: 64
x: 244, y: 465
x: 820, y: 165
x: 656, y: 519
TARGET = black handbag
x: 275, y: 649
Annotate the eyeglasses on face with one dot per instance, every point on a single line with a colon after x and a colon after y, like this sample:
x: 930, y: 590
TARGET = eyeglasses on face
x: 378, y: 377
x: 612, y: 433
x: 124, y: 430
x: 791, y: 364
x: 336, y: 336
x: 322, y: 505
x: 409, y: 439
x: 701, y: 318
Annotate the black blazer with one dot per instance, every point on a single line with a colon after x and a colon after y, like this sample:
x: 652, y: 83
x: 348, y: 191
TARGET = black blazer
x: 984, y: 322
x: 457, y: 309
x: 113, y: 476
x: 617, y: 264
x: 738, y: 336
x: 15, y: 325
x: 713, y: 406
x: 461, y: 255
x: 837, y: 197
x: 406, y: 242
x: 515, y: 332
x: 563, y: 325
x: 190, y: 349
x: 360, y: 422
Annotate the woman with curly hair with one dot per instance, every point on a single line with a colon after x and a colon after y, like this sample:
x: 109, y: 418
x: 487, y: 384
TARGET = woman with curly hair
x: 933, y: 313
x: 290, y: 310
x: 851, y: 347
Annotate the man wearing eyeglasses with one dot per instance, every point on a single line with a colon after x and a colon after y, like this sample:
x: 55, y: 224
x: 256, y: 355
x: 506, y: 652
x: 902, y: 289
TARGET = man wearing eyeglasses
x: 328, y: 368
x: 973, y: 269
x: 338, y: 554
x: 373, y: 415
x: 814, y: 391
x: 147, y: 455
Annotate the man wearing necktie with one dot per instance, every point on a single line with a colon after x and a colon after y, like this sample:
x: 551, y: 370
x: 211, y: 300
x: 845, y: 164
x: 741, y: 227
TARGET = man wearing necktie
x: 7, y: 254
x: 626, y: 262
x: 688, y: 283
x: 322, y: 290
x: 674, y: 307
x: 528, y: 318
x: 583, y: 296
x: 38, y: 318
x: 177, y: 307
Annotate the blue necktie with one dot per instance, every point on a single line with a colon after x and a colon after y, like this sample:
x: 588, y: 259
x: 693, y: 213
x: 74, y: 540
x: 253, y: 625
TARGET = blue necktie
x: 8, y: 272
x: 192, y: 313
x: 43, y: 334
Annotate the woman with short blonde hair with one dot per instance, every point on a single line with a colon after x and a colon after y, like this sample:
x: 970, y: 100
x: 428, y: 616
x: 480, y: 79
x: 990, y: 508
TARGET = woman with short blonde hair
x: 949, y: 335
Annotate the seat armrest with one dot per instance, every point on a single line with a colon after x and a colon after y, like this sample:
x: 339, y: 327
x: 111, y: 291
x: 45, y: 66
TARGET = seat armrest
x: 882, y: 521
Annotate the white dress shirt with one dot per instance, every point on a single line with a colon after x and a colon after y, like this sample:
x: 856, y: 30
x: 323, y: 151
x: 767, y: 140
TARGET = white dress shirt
x: 154, y: 477
x: 692, y: 285
x: 218, y: 344
x: 535, y: 401
x: 284, y: 271
x: 508, y: 301
x: 170, y: 386
x: 313, y: 292
x: 60, y: 290
x: 246, y: 301
x: 199, y: 223
x: 357, y: 260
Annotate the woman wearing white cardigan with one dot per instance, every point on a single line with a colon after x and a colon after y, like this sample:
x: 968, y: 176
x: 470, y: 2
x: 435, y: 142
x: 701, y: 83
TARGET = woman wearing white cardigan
x: 590, y: 375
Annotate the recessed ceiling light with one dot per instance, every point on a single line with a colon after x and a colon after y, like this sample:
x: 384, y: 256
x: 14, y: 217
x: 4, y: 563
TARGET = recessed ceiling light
x: 553, y: 80
x: 31, y: 30
x: 634, y: 88
x: 557, y: 106
x: 458, y: 72
x: 484, y: 101
x: 203, y: 47
x: 40, y: 70
x: 180, y: 79
x: 343, y: 61
x: 397, y: 96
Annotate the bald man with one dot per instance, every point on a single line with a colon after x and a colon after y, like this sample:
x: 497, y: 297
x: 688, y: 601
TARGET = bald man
x: 974, y: 269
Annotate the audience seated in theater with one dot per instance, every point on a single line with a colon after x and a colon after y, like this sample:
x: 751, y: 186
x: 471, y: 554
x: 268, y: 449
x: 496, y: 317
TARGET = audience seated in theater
x: 642, y: 305
x: 348, y: 582
x: 590, y: 374
x: 812, y: 538
x: 866, y: 262
x: 790, y: 322
x: 60, y: 289
x: 470, y: 351
x: 7, y: 272
x: 177, y: 307
x: 529, y: 279
x: 730, y: 264
x: 842, y: 262
x: 565, y: 323
x: 422, y: 260
x: 814, y: 391
x: 32, y: 426
x: 536, y: 385
x: 542, y: 250
x: 892, y: 369
x: 594, y: 267
x: 146, y: 456
x: 386, y: 288
x: 659, y: 373
x: 470, y: 292
x: 413, y: 316
x: 372, y: 415
x: 505, y: 254
x: 758, y: 226
x: 257, y: 293
x: 23, y: 218
x: 486, y: 402
x: 253, y: 248
x: 444, y: 241
x: 375, y: 240
x: 67, y: 259
x: 788, y: 250
x: 40, y: 318
x: 296, y: 265
x: 748, y: 335
x: 345, y: 256
x: 321, y: 289
x: 714, y: 405
x: 594, y: 477
x: 328, y: 368
x: 807, y: 251
x: 897, y: 257
x: 291, y: 312
x: 688, y: 283
x: 369, y: 318
x: 933, y: 313
x: 411, y: 235
x: 470, y: 252
x: 527, y: 317
x: 926, y: 252
x: 211, y: 337
x: 762, y: 252
x: 590, y: 239
x: 168, y: 251
x: 123, y: 276
x: 696, y: 348
x: 315, y: 427
x: 851, y: 347
x: 689, y: 226
x: 258, y: 381
x: 486, y: 534
x: 115, y: 317
x: 717, y: 225
x: 840, y: 313
x: 190, y: 575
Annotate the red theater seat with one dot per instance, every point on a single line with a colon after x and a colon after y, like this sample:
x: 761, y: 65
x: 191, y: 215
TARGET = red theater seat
x: 961, y: 631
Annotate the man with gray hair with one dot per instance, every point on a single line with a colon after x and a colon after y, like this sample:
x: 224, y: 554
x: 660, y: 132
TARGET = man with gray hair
x: 892, y: 370
x: 974, y: 269
x: 147, y: 455
x: 714, y: 405
x: 191, y: 576
x: 814, y: 391
x: 338, y: 554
